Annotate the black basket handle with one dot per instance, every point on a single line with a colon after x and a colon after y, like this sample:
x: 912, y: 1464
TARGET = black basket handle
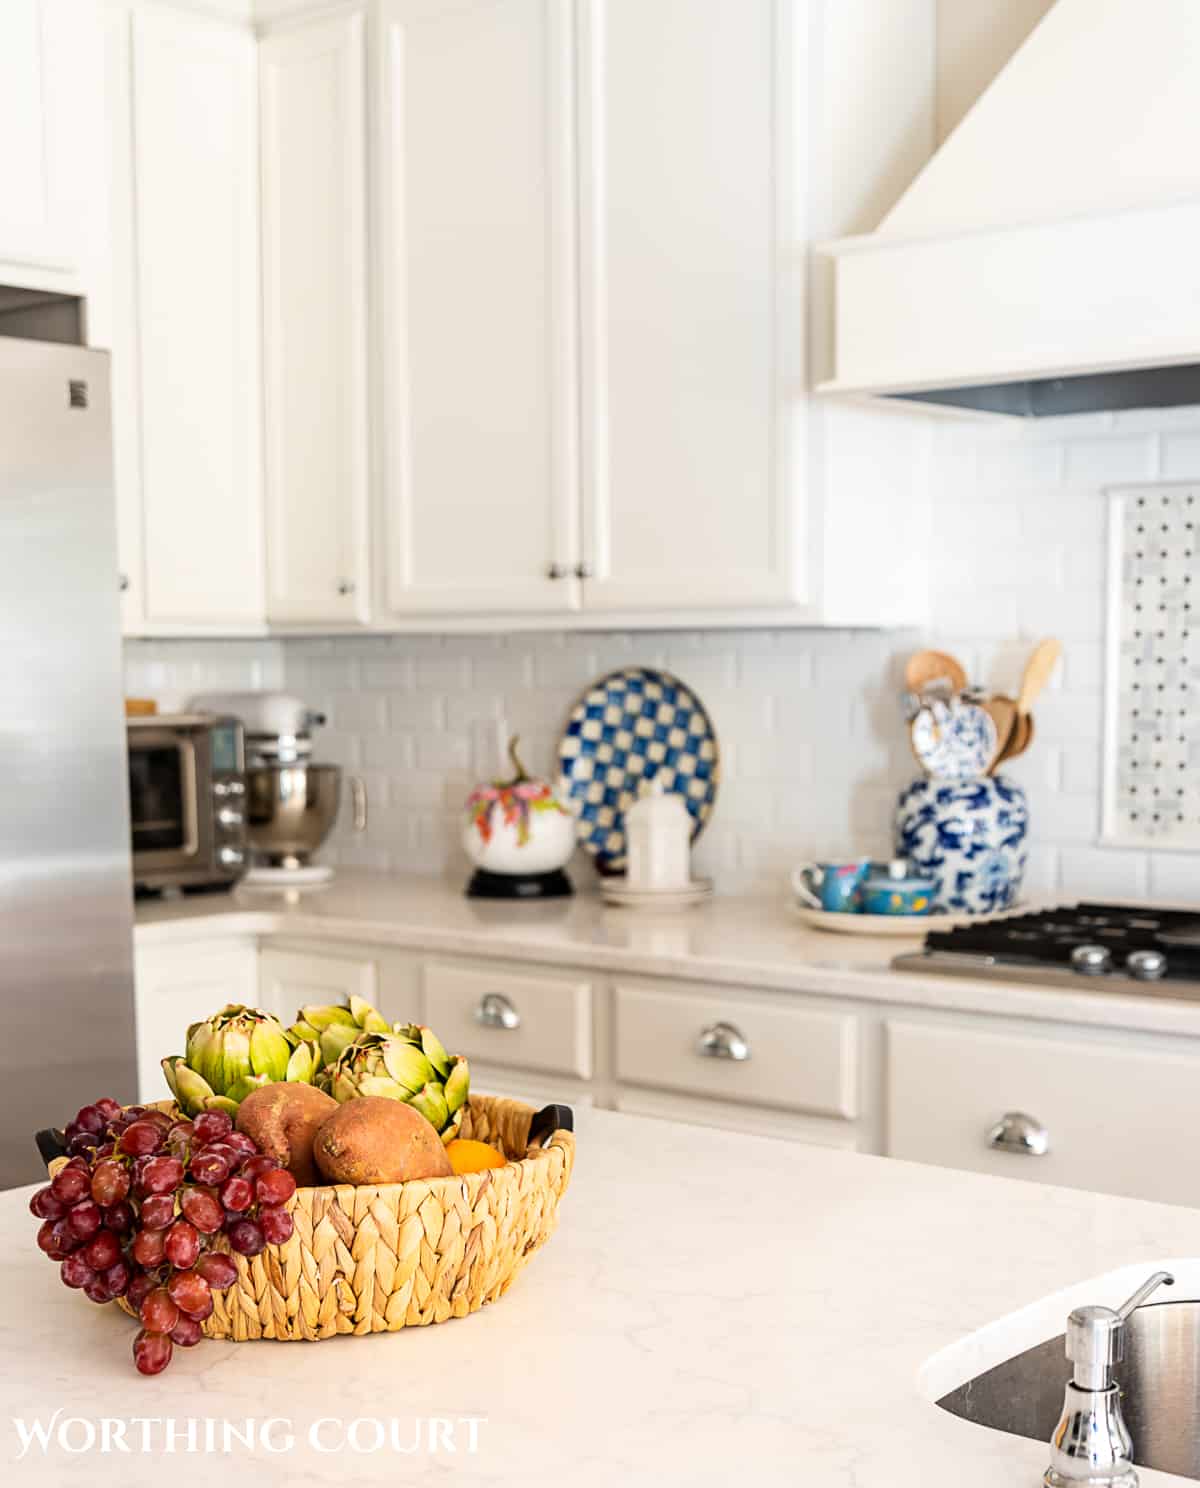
x: 51, y: 1143
x: 549, y: 1120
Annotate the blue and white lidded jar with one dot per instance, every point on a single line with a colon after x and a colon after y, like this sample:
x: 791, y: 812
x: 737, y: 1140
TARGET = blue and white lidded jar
x: 970, y: 837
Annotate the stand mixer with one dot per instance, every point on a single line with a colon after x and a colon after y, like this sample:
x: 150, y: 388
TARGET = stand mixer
x: 291, y: 802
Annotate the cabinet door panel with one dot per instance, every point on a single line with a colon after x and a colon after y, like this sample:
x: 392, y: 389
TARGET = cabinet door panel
x: 295, y: 979
x: 195, y: 169
x: 481, y: 457
x: 797, y: 1058
x: 1112, y: 1109
x: 553, y: 1027
x: 314, y: 320
x: 176, y: 986
x: 33, y: 230
x: 685, y: 499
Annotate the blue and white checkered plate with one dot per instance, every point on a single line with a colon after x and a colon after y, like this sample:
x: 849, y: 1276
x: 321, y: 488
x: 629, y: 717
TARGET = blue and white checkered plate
x: 633, y: 725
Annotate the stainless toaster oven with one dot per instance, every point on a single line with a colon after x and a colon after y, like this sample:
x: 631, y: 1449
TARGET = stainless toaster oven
x: 187, y: 798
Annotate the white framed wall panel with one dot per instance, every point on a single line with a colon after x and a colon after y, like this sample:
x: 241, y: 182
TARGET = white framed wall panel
x: 195, y: 189
x: 477, y: 274
x: 1151, y: 782
x: 685, y: 143
x: 314, y: 244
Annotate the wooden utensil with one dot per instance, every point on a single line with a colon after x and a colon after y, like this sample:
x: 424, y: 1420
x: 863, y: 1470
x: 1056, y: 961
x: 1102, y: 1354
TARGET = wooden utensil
x: 924, y: 667
x: 1022, y: 737
x: 1038, y: 670
x: 1003, y: 713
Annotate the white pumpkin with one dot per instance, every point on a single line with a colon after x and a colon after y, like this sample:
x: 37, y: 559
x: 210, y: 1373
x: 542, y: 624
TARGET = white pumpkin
x: 518, y: 826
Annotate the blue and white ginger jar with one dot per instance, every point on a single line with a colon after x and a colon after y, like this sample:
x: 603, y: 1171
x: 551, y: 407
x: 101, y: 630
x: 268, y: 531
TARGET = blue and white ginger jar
x: 969, y: 836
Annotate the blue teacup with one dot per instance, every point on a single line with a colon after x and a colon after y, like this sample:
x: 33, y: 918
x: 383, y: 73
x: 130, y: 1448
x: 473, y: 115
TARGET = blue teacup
x: 896, y: 889
x: 835, y: 887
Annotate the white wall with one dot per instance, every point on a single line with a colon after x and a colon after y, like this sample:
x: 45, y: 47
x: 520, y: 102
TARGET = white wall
x: 1021, y: 524
x: 811, y: 752
x: 812, y: 743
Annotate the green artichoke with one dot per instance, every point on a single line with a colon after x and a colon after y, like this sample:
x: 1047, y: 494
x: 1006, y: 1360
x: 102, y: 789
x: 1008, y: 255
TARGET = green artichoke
x: 234, y: 1052
x: 408, y: 1064
x: 332, y: 1028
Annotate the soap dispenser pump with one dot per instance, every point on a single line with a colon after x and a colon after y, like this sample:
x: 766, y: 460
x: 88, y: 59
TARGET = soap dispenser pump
x: 1091, y: 1443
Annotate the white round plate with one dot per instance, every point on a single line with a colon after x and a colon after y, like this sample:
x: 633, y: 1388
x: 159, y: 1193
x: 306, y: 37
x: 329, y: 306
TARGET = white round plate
x: 876, y: 924
x: 615, y: 893
x: 311, y: 877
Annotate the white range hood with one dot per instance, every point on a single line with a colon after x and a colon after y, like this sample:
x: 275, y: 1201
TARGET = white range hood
x: 1047, y: 259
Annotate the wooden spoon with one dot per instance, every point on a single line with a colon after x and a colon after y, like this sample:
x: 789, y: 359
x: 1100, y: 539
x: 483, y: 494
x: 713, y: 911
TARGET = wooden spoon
x: 1003, y: 713
x: 1038, y: 670
x: 1022, y: 736
x: 924, y: 667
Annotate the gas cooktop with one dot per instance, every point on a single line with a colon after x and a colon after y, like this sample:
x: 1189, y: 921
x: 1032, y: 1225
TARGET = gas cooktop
x: 1103, y: 947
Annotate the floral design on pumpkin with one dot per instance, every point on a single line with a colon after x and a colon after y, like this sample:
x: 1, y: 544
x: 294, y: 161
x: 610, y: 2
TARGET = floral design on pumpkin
x: 516, y: 800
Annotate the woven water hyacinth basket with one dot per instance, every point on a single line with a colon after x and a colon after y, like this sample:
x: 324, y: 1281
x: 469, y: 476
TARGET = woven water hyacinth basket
x: 375, y: 1259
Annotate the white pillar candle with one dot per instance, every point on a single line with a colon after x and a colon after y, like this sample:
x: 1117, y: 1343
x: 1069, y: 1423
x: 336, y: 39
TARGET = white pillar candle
x: 658, y: 836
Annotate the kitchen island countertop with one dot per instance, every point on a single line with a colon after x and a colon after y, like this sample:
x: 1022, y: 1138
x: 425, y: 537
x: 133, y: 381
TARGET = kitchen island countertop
x: 713, y: 1310
x: 754, y: 940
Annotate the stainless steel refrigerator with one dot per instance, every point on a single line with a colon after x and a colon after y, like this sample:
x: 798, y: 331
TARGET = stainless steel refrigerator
x: 66, y: 918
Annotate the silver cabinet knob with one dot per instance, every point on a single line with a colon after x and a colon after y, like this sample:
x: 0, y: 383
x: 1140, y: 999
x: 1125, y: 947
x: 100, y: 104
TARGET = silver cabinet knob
x: 583, y: 570
x: 1091, y: 960
x: 345, y: 586
x: 1019, y: 1133
x: 557, y: 571
x: 1147, y: 966
x: 722, y: 1041
x: 495, y: 1011
x: 123, y: 583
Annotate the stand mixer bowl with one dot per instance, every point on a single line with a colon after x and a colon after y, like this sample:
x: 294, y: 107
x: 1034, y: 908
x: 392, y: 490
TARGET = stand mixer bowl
x: 291, y: 808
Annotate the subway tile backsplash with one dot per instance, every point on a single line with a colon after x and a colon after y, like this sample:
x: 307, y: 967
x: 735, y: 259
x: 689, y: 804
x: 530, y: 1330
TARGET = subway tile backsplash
x: 813, y: 750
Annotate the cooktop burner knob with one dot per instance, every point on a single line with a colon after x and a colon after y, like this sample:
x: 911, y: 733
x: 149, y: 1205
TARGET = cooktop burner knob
x: 1147, y: 966
x: 1091, y: 960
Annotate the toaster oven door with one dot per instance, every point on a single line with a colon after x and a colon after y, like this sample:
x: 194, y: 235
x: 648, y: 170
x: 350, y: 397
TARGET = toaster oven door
x: 168, y: 769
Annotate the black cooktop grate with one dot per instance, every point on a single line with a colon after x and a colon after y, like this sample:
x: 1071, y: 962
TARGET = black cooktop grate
x: 1049, y: 936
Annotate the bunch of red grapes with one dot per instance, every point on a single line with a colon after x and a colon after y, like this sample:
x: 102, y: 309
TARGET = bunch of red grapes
x: 138, y: 1210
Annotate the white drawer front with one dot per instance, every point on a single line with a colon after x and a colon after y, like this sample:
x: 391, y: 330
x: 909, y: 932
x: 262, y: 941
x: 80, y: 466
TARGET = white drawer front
x: 1115, y: 1116
x: 756, y: 1121
x: 797, y: 1058
x: 554, y: 1017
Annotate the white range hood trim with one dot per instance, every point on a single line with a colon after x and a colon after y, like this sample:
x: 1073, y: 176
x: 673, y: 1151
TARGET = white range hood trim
x: 1078, y: 296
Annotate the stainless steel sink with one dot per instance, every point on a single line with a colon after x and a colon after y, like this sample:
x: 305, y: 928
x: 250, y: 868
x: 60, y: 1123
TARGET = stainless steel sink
x: 1159, y: 1379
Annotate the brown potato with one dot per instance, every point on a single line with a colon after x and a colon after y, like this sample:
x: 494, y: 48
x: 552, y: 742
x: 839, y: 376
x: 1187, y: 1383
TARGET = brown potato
x: 284, y: 1119
x: 375, y: 1140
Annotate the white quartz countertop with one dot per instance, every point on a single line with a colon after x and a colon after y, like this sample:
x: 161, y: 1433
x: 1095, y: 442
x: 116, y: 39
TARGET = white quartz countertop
x: 713, y: 1310
x: 753, y: 941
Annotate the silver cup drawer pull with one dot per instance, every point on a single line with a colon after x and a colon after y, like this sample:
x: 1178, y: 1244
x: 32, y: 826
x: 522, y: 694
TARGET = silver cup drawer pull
x: 1019, y: 1133
x: 722, y: 1041
x: 495, y: 1011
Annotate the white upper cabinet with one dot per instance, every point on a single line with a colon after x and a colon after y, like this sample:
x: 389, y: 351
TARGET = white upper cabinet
x: 312, y: 83
x: 196, y: 306
x: 40, y: 69
x: 682, y: 112
x: 480, y: 482
x: 534, y: 304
